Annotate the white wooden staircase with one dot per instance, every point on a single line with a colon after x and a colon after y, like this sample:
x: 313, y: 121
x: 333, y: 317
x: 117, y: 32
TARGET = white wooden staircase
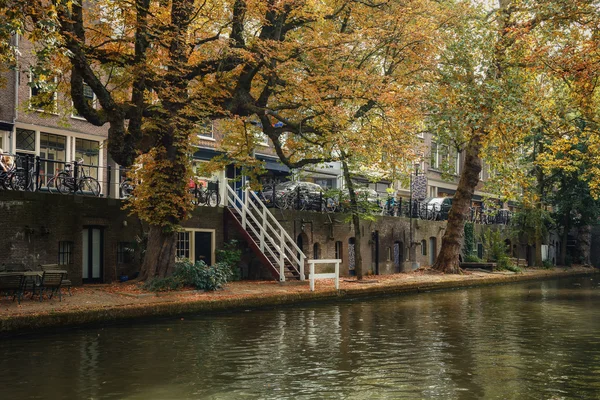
x: 265, y: 235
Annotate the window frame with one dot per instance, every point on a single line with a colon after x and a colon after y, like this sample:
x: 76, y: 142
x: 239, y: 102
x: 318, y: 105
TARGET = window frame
x: 191, y: 234
x: 94, y: 104
x: 65, y: 252
x: 206, y: 137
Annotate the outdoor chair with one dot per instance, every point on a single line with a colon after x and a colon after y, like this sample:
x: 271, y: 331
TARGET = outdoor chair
x: 65, y: 282
x: 51, y: 281
x: 12, y: 284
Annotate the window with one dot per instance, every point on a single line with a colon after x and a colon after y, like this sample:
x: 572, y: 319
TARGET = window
x: 25, y: 140
x: 43, y: 93
x: 125, y: 251
x: 65, y: 251
x: 389, y: 254
x: 445, y: 158
x: 52, y: 148
x: 263, y: 140
x: 205, y: 130
x: 434, y: 160
x: 89, y: 151
x: 423, y: 247
x: 316, y: 251
x: 196, y: 245
x: 338, y: 250
x: 183, y: 245
x: 90, y: 98
x: 432, y: 191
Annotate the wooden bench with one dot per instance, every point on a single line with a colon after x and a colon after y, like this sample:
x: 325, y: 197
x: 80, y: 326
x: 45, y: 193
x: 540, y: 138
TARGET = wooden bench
x: 12, y: 283
x: 65, y: 282
x: 478, y: 265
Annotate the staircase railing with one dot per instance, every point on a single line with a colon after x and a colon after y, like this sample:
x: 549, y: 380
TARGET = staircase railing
x: 273, y: 239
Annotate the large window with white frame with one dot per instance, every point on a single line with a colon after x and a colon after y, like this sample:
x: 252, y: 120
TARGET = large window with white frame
x: 89, y: 151
x: 53, y: 152
x: 205, y: 130
x: 25, y: 141
x: 196, y: 245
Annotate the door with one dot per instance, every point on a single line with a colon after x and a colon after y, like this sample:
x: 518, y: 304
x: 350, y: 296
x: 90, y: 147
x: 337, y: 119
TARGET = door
x: 93, y: 254
x: 398, y: 256
x: 237, y: 181
x: 203, y: 247
x: 432, y: 250
x: 375, y: 237
x: 351, y: 260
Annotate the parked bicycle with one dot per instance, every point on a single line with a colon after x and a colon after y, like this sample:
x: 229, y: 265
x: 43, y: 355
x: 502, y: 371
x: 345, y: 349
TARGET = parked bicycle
x: 20, y: 177
x: 66, y: 182
x: 205, y: 196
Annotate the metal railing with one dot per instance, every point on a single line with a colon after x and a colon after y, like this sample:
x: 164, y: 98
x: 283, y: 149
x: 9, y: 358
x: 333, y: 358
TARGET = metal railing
x: 34, y: 173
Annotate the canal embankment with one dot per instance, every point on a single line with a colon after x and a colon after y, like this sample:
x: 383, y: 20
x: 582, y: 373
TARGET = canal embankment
x: 119, y: 303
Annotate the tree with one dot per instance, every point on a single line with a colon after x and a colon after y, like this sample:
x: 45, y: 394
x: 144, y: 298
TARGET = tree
x: 334, y: 79
x: 484, y: 97
x: 145, y: 62
x: 475, y: 100
x: 342, y: 80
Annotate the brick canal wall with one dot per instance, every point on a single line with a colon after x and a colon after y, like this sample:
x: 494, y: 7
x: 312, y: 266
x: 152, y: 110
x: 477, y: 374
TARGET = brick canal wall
x: 35, y: 225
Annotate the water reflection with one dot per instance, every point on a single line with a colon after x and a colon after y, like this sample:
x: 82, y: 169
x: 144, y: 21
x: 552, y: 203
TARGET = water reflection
x: 535, y: 340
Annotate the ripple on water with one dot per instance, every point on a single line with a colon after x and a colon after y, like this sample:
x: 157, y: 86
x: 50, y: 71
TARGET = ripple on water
x: 535, y: 340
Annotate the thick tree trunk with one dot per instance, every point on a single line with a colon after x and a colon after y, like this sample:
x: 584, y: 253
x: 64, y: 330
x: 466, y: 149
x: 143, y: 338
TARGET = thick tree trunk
x: 159, y: 260
x: 358, y: 267
x: 448, y: 259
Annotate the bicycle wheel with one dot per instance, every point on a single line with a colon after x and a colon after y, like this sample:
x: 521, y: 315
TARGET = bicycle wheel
x: 17, y: 182
x: 280, y: 201
x: 213, y: 199
x: 89, y: 185
x: 126, y: 189
x: 62, y: 183
x: 51, y: 185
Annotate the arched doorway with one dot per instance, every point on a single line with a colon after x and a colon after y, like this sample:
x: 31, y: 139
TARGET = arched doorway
x: 432, y: 249
x: 508, y: 245
x: 351, y: 259
x: 398, y: 255
x: 302, y: 242
x: 316, y: 251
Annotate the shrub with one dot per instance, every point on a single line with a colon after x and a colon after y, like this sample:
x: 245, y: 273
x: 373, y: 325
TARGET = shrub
x: 472, y: 258
x: 514, y: 268
x: 202, y: 276
x: 547, y: 264
x: 162, y: 284
x: 495, y: 248
x: 231, y: 255
x: 503, y: 263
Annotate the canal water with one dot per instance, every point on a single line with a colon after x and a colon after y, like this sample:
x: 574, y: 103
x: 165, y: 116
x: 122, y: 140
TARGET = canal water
x: 538, y: 340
